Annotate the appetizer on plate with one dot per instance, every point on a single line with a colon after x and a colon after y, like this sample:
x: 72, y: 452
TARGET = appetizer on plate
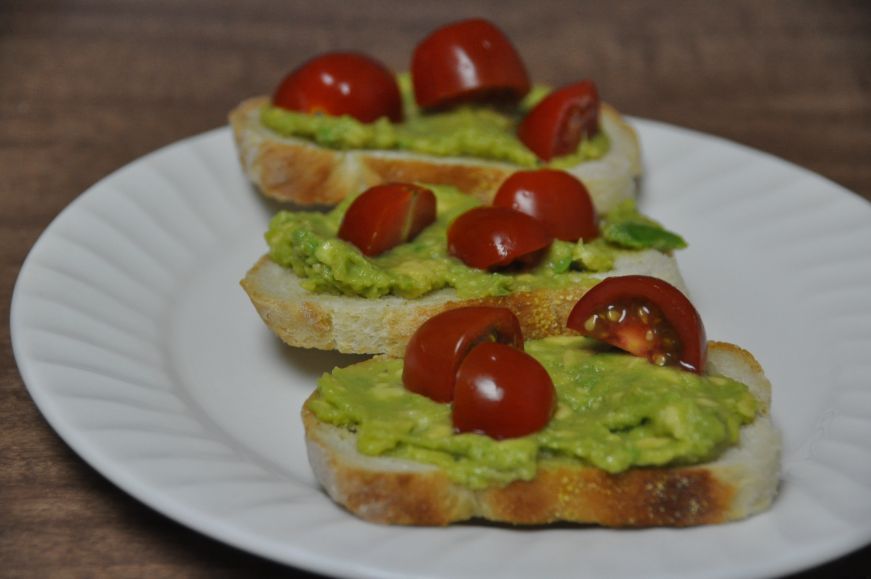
x: 362, y: 277
x: 466, y: 115
x: 475, y: 423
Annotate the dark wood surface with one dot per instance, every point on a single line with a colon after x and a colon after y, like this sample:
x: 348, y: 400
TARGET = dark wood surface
x: 88, y: 86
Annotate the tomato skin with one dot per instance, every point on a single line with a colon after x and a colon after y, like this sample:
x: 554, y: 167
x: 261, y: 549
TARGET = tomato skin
x: 386, y: 215
x: 469, y: 60
x: 341, y: 83
x: 557, y: 124
x: 502, y: 392
x: 440, y: 344
x: 496, y: 237
x: 556, y: 198
x: 677, y: 335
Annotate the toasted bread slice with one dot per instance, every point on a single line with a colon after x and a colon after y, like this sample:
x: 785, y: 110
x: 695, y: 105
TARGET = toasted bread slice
x: 296, y: 170
x: 741, y: 482
x: 357, y: 325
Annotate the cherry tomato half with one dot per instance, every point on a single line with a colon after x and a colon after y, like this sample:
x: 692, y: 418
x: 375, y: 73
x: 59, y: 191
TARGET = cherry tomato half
x: 555, y: 198
x: 646, y: 317
x: 386, y: 215
x: 470, y: 60
x: 440, y: 344
x: 557, y: 124
x: 341, y: 83
x: 496, y: 237
x: 502, y: 392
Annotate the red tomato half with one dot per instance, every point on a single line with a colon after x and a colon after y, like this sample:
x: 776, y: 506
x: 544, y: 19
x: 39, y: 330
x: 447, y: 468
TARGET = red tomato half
x: 646, y: 317
x: 496, y: 237
x: 386, y: 215
x: 502, y: 392
x: 437, y: 348
x: 470, y: 60
x: 557, y: 124
x: 555, y: 198
x: 342, y: 83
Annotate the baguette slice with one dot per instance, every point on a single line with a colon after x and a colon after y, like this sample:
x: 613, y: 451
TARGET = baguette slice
x: 296, y: 170
x: 741, y: 482
x: 357, y: 325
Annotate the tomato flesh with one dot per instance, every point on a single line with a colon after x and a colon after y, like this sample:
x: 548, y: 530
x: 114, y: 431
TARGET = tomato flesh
x: 556, y: 125
x: 470, y: 60
x: 556, y: 198
x: 645, y: 316
x: 440, y: 344
x: 342, y: 83
x: 502, y: 392
x: 497, y: 237
x: 386, y: 215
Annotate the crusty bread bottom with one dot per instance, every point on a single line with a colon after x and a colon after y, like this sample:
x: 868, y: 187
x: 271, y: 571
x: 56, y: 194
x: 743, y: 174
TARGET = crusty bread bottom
x: 741, y: 482
x: 296, y: 170
x: 383, y: 326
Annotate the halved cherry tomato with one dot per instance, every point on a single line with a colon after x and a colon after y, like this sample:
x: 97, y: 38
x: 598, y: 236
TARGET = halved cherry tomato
x: 557, y: 124
x: 342, y: 83
x: 645, y: 316
x: 386, y: 215
x: 555, y: 198
x: 440, y: 344
x: 470, y: 60
x: 496, y: 237
x: 502, y: 392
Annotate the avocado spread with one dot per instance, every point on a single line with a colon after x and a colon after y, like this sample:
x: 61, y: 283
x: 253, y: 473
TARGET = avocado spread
x: 614, y: 411
x: 306, y: 242
x: 464, y: 131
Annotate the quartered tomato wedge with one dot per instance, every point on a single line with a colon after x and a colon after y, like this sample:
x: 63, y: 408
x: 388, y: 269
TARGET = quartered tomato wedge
x: 557, y: 124
x: 646, y: 317
x: 502, y: 392
x: 386, y: 215
x: 342, y: 83
x: 497, y: 237
x: 470, y: 60
x: 556, y: 198
x: 437, y: 348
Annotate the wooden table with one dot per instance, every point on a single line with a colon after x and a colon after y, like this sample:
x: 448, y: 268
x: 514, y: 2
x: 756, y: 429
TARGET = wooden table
x: 88, y: 86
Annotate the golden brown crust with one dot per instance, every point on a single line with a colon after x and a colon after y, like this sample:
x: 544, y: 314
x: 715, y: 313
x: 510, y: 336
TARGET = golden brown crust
x: 401, y: 498
x: 422, y: 496
x: 309, y: 324
x: 287, y: 170
x: 297, y: 171
x: 482, y: 181
x: 638, y: 498
x: 384, y: 325
x: 320, y: 183
x: 731, y: 350
x: 676, y: 497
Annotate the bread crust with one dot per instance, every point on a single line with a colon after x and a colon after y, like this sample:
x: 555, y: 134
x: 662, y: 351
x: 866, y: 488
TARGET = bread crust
x: 301, y: 172
x: 742, y: 482
x: 383, y: 326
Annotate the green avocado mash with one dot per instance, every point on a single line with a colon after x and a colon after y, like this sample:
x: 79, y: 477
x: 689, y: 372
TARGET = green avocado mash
x: 306, y: 242
x: 614, y: 411
x: 465, y: 131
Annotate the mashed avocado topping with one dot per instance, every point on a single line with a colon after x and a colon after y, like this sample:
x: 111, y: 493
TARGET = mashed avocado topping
x: 464, y: 131
x: 306, y: 242
x: 614, y: 412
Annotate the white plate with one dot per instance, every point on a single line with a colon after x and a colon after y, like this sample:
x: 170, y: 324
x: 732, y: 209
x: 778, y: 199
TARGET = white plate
x: 141, y: 350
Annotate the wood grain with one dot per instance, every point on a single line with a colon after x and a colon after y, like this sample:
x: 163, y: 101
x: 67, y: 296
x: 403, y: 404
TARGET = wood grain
x: 87, y: 86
